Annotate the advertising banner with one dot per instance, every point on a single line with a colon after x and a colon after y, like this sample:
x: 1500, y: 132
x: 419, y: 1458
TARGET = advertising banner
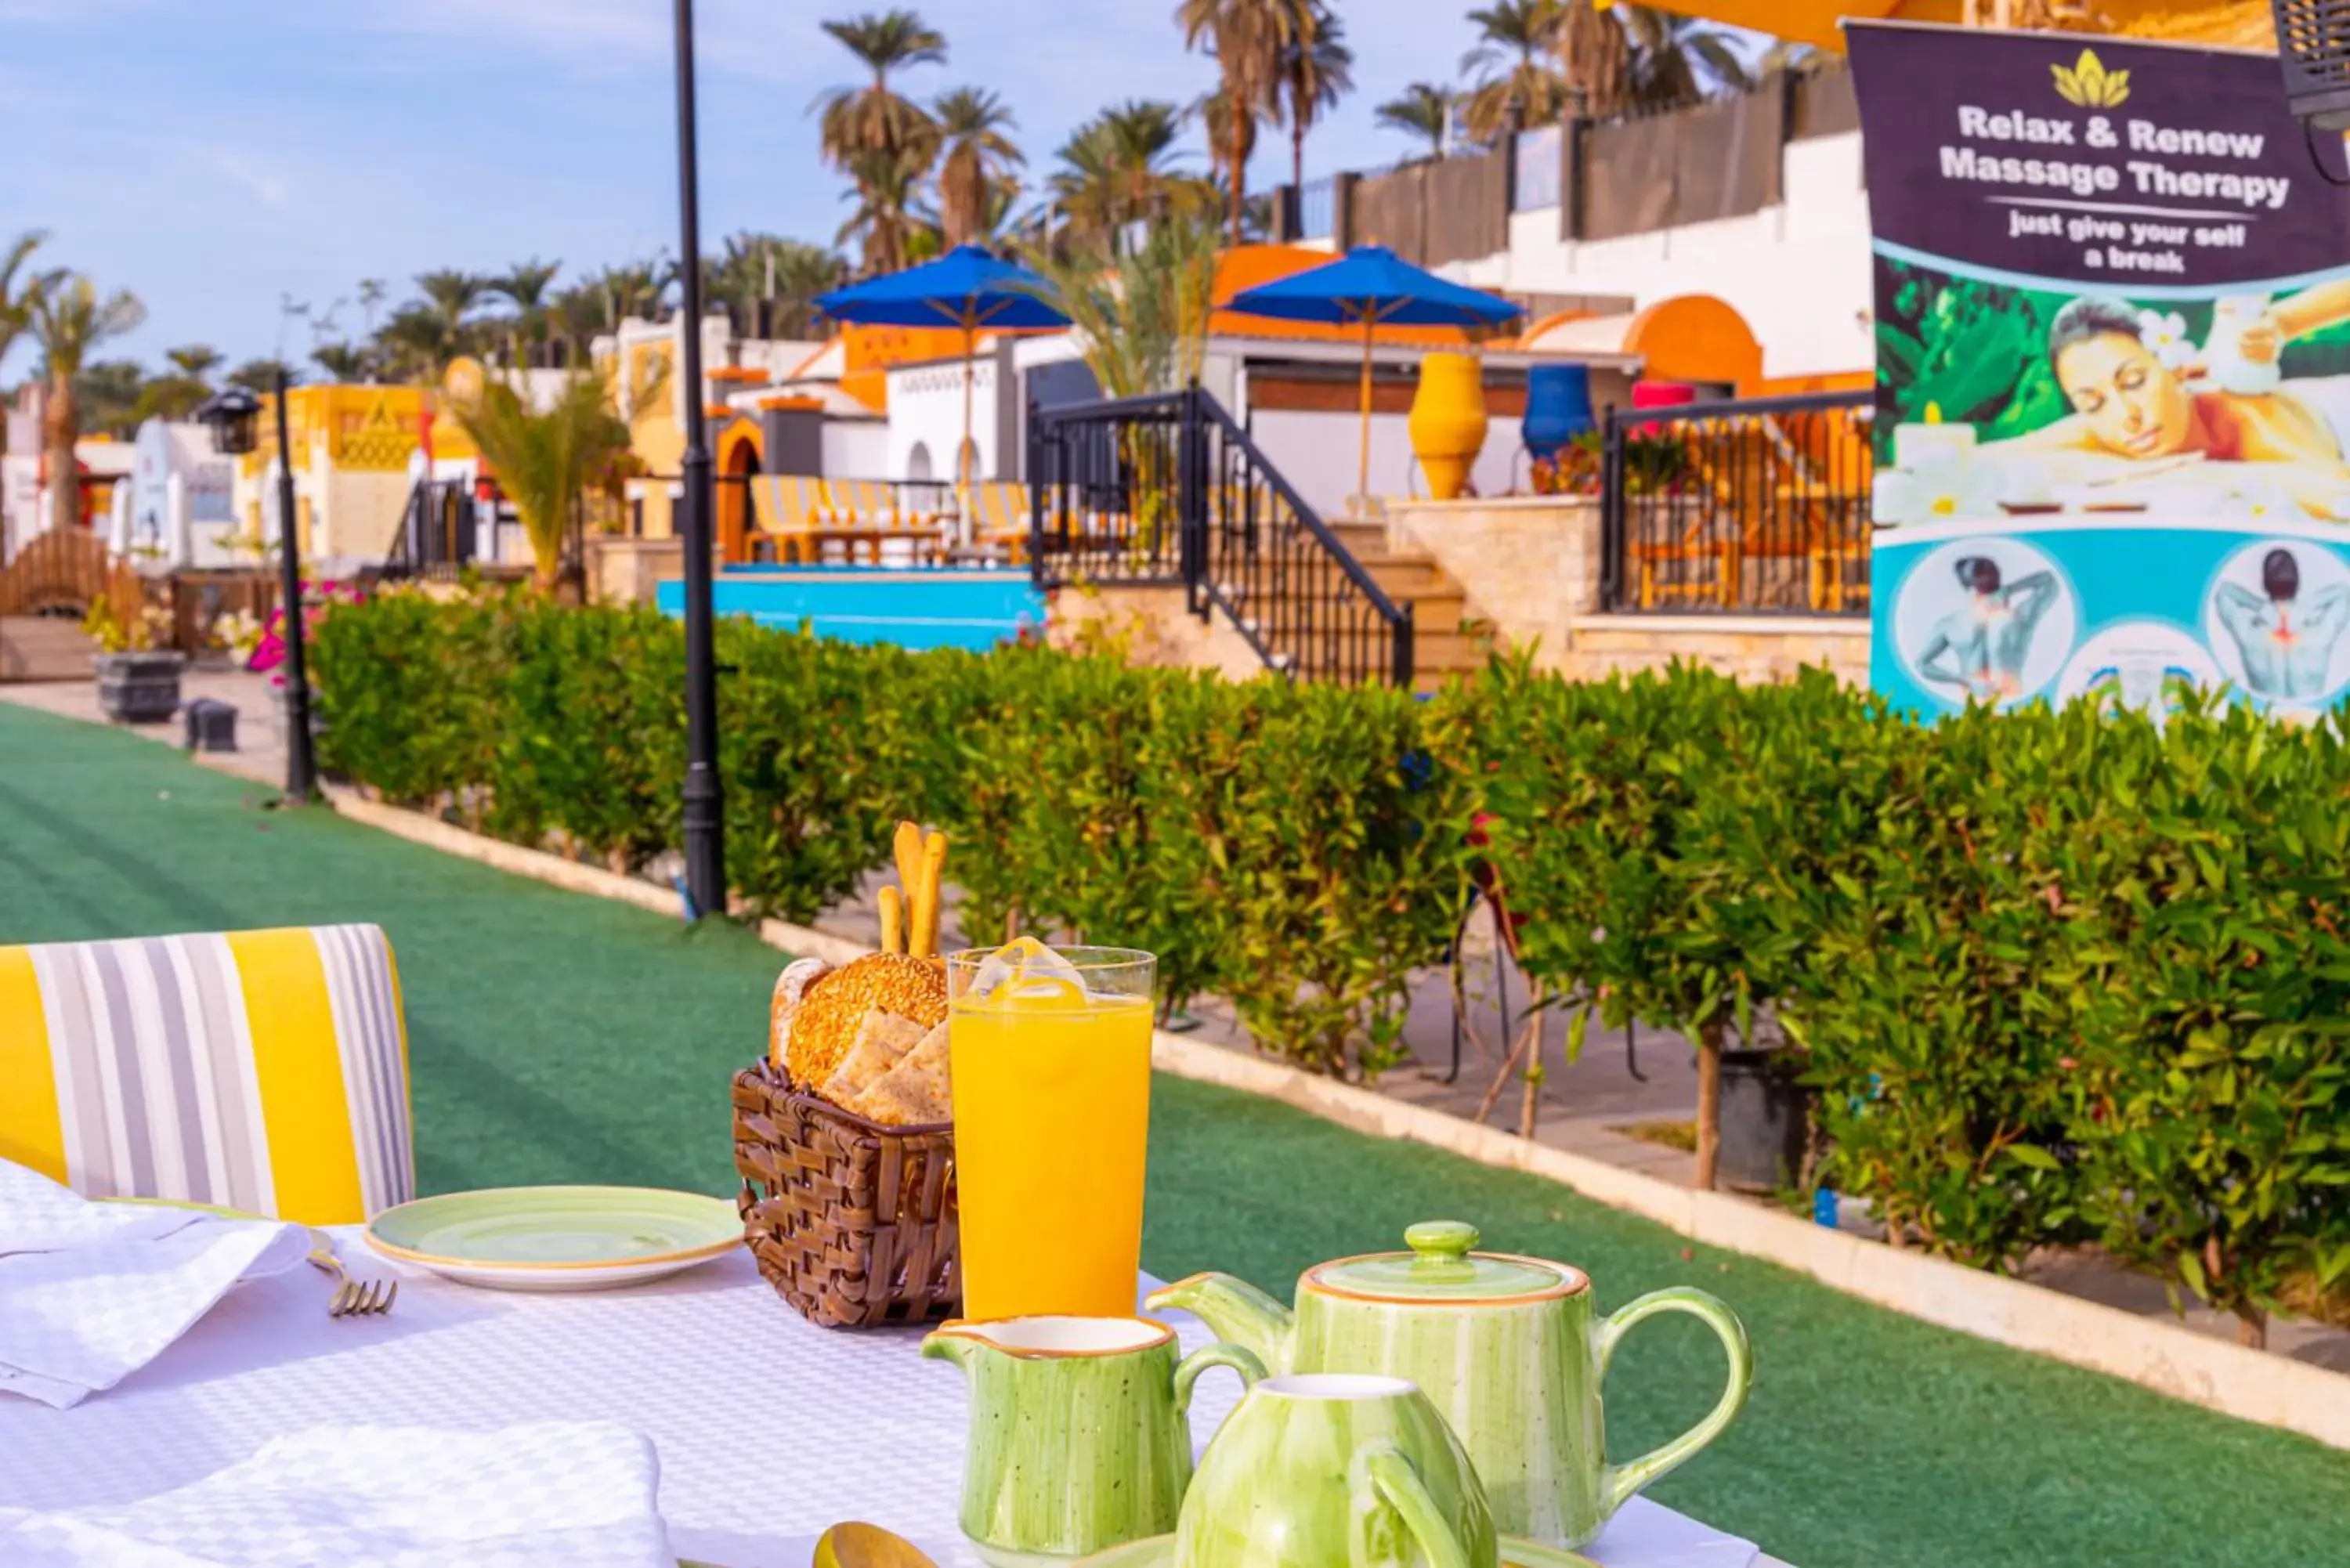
x: 2113, y: 373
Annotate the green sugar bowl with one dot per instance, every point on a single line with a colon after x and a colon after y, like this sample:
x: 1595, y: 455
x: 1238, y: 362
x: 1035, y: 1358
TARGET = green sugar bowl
x: 1510, y: 1350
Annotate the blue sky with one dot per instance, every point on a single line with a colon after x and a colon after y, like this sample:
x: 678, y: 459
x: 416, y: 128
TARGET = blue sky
x: 217, y: 157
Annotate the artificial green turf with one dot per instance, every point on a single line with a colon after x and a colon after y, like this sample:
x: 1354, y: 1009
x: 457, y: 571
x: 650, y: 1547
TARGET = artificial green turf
x: 556, y: 1037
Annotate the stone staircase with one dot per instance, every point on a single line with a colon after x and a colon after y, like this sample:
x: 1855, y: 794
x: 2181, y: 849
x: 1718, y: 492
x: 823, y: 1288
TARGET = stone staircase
x: 1445, y: 643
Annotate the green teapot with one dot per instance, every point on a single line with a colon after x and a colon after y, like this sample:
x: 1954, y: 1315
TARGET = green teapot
x: 1510, y: 1350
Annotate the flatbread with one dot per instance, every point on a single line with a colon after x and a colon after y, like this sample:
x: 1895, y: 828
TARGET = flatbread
x: 914, y: 1093
x: 881, y: 1039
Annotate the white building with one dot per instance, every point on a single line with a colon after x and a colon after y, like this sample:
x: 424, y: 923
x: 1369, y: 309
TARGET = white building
x: 1798, y: 271
x: 180, y: 506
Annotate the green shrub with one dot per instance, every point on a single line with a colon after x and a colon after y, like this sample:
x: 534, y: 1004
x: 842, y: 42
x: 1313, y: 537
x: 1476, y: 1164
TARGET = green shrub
x: 2057, y: 977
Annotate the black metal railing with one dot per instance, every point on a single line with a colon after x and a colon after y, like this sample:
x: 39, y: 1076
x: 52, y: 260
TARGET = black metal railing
x: 439, y: 533
x: 1170, y: 489
x: 446, y: 523
x: 1756, y: 507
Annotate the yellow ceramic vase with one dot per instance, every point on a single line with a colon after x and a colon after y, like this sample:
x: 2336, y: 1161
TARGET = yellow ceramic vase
x: 1447, y: 421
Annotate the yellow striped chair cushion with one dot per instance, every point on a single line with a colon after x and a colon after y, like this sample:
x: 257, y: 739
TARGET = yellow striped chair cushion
x: 263, y: 1070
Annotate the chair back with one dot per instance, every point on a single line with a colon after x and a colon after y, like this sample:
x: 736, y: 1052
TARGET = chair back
x: 266, y: 1071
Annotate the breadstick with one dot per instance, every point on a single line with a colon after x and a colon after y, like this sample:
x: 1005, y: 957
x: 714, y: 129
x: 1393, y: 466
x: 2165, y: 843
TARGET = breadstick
x: 910, y: 859
x: 926, y: 902
x: 893, y: 921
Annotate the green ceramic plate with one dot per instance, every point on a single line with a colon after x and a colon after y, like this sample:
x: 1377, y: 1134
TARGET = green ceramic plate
x: 558, y: 1238
x: 1158, y: 1551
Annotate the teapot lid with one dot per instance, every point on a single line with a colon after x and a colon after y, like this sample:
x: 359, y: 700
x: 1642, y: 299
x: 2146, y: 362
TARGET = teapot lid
x: 1442, y: 1267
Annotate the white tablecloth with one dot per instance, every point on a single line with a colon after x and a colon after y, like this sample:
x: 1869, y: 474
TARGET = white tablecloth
x: 768, y: 1429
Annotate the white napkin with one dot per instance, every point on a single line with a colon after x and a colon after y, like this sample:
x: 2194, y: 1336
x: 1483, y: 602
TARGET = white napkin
x: 575, y: 1492
x: 89, y: 1293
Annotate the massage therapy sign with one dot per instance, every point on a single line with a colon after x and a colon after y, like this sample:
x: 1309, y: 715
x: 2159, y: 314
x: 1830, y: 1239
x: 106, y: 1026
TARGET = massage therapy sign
x: 2113, y: 374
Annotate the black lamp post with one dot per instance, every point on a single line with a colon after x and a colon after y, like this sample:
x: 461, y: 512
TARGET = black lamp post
x: 705, y: 845
x: 232, y: 416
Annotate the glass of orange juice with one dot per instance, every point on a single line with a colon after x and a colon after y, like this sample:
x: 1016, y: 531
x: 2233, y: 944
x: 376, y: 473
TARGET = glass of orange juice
x: 1050, y: 1061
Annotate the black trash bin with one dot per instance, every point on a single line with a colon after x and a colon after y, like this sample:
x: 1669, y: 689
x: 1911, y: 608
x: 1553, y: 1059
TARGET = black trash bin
x: 1765, y: 1119
x: 211, y: 725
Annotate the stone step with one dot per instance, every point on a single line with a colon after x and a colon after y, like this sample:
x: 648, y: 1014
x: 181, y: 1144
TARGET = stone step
x: 1362, y: 538
x: 1447, y: 650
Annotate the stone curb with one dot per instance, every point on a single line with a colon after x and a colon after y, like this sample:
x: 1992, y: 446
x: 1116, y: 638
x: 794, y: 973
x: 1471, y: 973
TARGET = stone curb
x: 2250, y: 1384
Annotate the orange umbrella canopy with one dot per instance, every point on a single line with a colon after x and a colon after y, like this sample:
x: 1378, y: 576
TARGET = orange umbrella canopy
x: 1808, y: 21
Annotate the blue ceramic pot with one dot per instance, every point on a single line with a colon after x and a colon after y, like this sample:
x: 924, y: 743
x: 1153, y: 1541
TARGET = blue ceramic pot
x: 1558, y: 408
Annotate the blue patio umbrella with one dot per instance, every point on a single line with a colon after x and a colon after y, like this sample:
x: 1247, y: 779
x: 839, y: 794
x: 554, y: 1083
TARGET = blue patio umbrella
x: 967, y: 287
x: 1373, y: 286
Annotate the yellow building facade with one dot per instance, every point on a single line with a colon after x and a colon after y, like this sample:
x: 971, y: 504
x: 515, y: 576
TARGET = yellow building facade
x: 354, y: 448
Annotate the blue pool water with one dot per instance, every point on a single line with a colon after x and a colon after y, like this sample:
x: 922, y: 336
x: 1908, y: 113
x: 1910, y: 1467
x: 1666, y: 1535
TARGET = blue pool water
x: 917, y: 609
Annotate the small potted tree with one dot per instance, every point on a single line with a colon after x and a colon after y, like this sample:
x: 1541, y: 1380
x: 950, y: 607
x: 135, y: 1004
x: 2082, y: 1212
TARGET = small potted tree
x: 138, y: 681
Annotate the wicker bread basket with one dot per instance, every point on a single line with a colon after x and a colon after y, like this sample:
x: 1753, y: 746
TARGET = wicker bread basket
x: 853, y: 1222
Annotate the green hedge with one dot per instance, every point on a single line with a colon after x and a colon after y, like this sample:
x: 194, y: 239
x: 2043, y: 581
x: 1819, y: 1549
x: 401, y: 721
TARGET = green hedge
x: 2057, y: 977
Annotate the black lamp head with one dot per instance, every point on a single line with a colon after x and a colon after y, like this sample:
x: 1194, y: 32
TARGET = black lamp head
x: 232, y: 415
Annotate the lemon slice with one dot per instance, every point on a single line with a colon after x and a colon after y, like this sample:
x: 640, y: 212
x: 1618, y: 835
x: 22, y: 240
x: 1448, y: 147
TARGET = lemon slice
x: 854, y: 1545
x: 1024, y: 972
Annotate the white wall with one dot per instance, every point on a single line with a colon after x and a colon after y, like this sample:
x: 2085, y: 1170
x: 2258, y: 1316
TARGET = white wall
x: 20, y: 502
x: 1799, y: 272
x: 926, y: 409
x: 856, y: 449
x: 1321, y: 454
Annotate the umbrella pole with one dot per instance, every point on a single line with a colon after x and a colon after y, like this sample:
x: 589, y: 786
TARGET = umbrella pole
x: 963, y: 452
x: 1363, y: 471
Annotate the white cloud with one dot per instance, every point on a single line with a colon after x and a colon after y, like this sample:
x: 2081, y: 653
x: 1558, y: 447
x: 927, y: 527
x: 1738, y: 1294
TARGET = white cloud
x: 265, y: 185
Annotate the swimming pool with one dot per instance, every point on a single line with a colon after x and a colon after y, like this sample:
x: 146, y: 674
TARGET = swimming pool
x: 915, y: 608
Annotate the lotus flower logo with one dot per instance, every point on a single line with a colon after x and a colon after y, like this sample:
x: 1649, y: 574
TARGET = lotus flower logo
x: 2086, y: 82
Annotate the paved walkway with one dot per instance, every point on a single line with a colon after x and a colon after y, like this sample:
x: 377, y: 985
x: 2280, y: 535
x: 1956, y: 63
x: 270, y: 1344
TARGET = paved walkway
x: 260, y: 755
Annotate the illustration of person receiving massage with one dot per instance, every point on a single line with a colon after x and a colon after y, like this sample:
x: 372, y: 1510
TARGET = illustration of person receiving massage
x: 2286, y: 641
x: 2138, y: 412
x: 1980, y: 646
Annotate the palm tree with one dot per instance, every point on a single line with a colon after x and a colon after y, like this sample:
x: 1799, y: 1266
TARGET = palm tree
x: 260, y: 376
x: 175, y: 394
x: 415, y: 343
x: 344, y: 362
x: 1675, y: 58
x: 1230, y: 146
x: 792, y: 274
x: 543, y: 461
x: 1518, y: 82
x: 1597, y: 57
x: 1314, y: 73
x: 886, y: 189
x: 196, y: 361
x: 1424, y: 110
x: 69, y: 319
x: 1116, y: 167
x: 634, y: 289
x: 371, y: 294
x: 978, y: 160
x: 171, y: 397
x: 452, y: 295
x: 1246, y: 37
x: 875, y: 118
x: 525, y: 284
x: 108, y: 391
x: 16, y: 304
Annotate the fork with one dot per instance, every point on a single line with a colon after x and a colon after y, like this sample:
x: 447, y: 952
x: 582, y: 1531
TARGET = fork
x: 354, y: 1298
